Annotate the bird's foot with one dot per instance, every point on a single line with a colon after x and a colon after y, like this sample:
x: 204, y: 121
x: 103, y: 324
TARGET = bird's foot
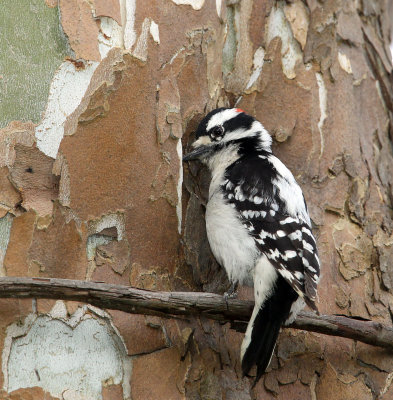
x: 232, y: 292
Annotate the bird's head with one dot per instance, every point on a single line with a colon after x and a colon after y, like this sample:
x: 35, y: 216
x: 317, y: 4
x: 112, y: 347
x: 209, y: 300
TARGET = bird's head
x: 228, y: 131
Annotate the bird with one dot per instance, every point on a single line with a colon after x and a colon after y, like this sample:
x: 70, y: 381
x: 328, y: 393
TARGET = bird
x: 258, y: 227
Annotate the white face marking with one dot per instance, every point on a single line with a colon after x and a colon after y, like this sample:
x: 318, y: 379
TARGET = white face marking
x: 224, y: 157
x: 238, y: 134
x: 256, y: 129
x: 202, y: 141
x: 221, y: 117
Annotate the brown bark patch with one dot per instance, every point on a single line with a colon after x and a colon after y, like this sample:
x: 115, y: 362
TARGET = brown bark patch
x: 27, y: 394
x: 59, y: 250
x: 165, y: 373
x: 16, y: 258
x: 335, y: 386
x: 32, y: 175
x: 112, y: 392
x: 81, y: 29
x: 108, y: 8
x: 141, y: 334
x: 9, y: 196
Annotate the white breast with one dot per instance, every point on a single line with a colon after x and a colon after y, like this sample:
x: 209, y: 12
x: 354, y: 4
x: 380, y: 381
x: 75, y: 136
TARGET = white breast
x: 229, y: 240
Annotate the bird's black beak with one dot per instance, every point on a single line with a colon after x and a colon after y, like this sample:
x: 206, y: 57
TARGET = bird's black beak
x: 198, y: 153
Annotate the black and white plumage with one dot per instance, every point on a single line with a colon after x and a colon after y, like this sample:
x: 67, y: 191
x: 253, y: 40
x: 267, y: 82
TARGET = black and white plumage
x: 258, y: 226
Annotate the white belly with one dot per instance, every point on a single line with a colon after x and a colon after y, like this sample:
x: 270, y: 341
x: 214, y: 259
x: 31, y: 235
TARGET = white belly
x: 229, y: 240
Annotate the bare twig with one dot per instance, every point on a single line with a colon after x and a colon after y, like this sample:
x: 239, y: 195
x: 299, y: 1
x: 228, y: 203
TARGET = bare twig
x: 171, y: 304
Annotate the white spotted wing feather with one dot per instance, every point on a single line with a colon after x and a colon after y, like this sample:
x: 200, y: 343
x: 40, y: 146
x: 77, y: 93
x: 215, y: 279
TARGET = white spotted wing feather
x: 271, y: 206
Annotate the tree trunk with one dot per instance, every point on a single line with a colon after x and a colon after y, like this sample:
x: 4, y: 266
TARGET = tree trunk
x: 94, y: 113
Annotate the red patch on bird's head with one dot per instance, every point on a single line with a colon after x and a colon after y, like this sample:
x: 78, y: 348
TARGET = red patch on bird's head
x: 239, y: 110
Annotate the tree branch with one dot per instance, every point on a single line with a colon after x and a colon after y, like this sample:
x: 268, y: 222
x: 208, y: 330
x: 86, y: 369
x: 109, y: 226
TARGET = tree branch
x: 186, y: 304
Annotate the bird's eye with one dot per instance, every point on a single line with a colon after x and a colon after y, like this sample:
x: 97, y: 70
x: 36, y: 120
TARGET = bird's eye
x: 216, y: 133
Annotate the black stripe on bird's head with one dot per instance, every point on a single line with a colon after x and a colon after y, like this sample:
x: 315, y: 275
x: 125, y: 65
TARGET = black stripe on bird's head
x: 224, y: 128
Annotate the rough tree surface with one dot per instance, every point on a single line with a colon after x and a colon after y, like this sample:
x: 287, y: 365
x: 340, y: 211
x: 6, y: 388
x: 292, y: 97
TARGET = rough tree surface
x: 97, y: 99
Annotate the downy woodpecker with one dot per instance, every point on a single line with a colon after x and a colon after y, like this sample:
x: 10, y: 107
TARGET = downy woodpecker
x: 258, y: 226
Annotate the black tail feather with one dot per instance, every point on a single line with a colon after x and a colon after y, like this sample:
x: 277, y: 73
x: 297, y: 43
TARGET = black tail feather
x: 266, y: 327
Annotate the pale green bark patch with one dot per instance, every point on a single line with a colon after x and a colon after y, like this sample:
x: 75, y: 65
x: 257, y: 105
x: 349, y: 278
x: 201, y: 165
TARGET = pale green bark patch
x: 32, y: 47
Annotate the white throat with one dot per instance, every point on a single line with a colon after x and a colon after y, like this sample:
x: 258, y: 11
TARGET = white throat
x: 220, y: 161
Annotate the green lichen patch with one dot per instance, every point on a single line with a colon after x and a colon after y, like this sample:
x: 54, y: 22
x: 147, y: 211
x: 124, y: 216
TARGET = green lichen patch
x: 32, y: 47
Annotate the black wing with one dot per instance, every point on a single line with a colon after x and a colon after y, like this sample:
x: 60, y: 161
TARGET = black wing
x: 252, y: 186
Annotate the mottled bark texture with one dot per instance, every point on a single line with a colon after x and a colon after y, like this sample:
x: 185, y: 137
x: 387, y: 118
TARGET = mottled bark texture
x: 97, y: 191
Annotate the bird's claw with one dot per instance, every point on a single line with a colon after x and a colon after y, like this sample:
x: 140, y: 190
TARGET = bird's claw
x: 230, y: 295
x: 232, y: 292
